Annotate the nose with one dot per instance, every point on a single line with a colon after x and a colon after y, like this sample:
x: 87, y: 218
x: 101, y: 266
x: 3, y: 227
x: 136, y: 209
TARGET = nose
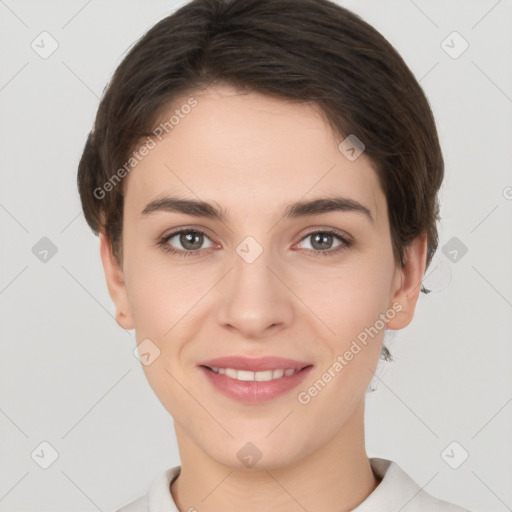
x: 254, y: 297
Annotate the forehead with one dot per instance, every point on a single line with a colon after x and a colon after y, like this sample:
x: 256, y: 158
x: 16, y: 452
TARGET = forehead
x: 249, y: 151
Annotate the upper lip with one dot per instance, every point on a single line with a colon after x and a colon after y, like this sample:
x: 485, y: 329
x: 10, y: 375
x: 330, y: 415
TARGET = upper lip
x: 254, y: 364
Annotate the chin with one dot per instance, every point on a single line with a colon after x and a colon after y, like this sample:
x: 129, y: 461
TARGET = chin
x: 258, y: 453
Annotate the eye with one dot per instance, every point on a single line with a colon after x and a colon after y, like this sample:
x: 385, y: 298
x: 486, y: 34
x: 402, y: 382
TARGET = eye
x: 322, y: 242
x: 190, y: 240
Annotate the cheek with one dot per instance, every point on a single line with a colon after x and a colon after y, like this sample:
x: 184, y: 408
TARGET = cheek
x: 160, y: 293
x: 351, y: 297
x: 351, y: 307
x: 150, y: 304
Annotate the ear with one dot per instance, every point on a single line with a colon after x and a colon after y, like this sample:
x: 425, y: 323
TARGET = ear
x: 115, y: 283
x: 407, y: 283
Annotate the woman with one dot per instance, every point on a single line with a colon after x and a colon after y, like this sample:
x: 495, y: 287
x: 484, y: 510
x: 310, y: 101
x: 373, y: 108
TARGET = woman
x: 263, y: 176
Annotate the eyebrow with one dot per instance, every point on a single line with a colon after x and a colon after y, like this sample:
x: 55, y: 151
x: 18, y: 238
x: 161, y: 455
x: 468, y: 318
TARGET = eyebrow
x: 295, y: 210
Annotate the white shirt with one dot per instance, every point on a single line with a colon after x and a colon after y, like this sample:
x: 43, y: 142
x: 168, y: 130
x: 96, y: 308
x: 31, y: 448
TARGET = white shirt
x: 396, y: 491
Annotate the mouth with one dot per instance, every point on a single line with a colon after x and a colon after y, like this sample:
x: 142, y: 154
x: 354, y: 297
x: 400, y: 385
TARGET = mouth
x: 254, y: 387
x: 257, y: 376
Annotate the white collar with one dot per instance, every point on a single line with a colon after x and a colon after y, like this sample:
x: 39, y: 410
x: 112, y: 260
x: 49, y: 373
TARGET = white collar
x: 396, y: 491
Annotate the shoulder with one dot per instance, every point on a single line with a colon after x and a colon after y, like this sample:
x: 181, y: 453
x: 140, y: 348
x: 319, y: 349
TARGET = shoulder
x: 158, y: 497
x: 139, y: 505
x: 427, y: 502
x: 398, y: 491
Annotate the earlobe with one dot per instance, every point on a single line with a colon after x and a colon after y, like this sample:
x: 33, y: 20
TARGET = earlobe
x: 408, y: 283
x: 115, y: 283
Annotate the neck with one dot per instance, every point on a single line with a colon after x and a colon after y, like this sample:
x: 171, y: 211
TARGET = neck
x: 338, y: 477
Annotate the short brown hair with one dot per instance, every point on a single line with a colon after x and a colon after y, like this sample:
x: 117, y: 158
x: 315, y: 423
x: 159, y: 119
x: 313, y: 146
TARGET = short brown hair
x: 301, y: 50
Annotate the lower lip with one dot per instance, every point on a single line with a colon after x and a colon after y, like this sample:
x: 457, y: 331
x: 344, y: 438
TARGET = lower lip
x: 254, y: 392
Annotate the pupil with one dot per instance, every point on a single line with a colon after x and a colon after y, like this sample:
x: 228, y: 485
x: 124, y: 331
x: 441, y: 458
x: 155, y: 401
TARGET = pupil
x: 188, y: 238
x: 323, y: 239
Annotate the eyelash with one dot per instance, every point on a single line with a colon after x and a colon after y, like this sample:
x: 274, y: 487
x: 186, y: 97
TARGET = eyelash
x: 329, y: 252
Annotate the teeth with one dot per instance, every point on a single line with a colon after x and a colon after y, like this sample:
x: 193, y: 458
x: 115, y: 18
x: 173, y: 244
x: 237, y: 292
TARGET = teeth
x: 245, y: 375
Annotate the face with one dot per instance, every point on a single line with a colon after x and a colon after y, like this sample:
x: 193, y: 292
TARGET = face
x: 257, y: 282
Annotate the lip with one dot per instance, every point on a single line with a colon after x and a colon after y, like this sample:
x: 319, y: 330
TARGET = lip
x: 258, y: 364
x: 254, y: 392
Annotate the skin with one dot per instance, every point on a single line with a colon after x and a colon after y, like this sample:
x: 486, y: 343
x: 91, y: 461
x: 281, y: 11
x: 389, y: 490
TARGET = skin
x: 252, y: 155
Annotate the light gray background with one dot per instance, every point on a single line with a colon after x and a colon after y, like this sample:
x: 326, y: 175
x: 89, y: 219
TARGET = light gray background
x: 68, y: 375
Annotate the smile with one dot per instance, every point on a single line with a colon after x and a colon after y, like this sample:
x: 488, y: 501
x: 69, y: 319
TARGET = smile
x: 254, y: 387
x: 262, y: 376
